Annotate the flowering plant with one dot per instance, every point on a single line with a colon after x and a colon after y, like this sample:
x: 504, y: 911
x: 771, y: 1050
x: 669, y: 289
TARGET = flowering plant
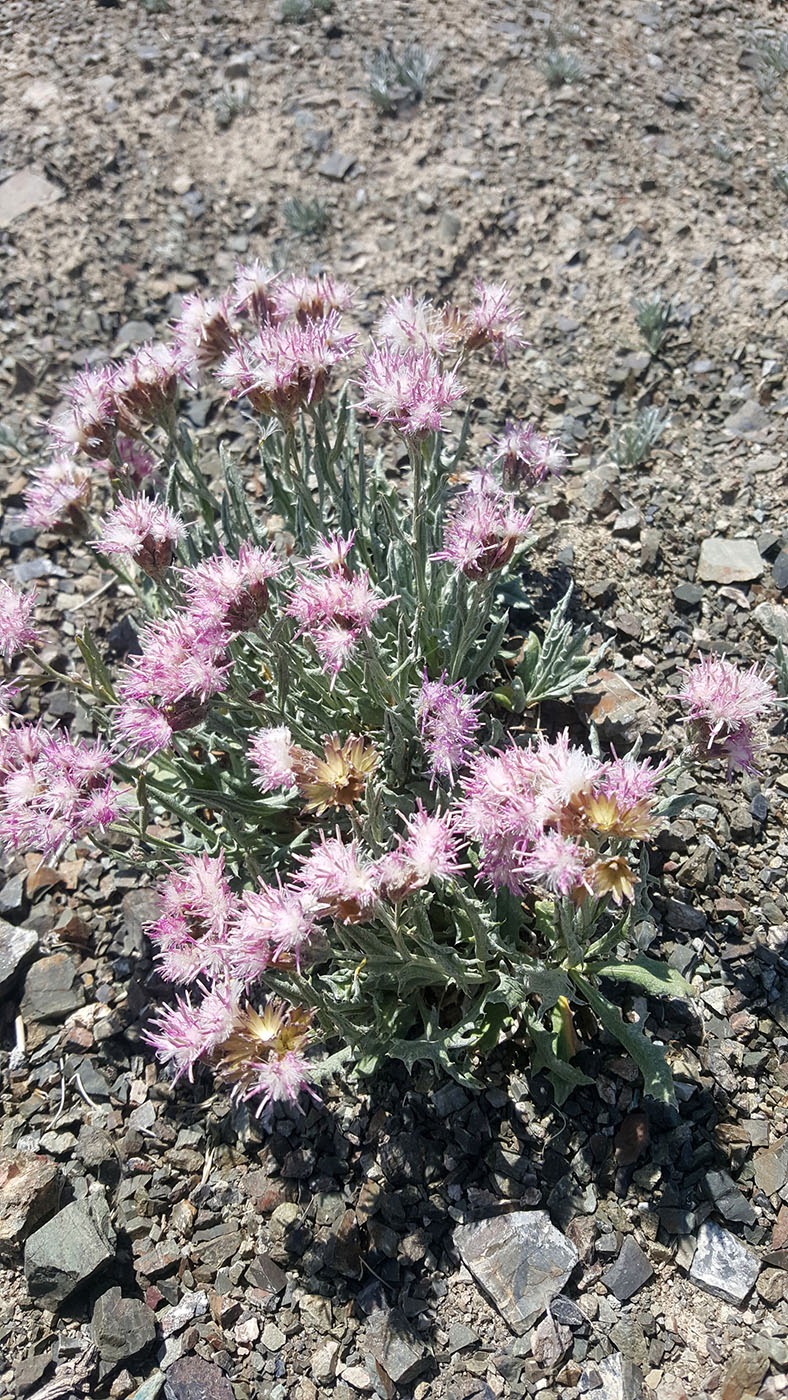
x: 370, y: 843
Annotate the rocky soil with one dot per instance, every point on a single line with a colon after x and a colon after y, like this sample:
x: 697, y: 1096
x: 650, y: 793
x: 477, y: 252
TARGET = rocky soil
x: 404, y: 1237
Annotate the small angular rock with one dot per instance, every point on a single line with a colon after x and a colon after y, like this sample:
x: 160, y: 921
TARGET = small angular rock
x: 773, y: 618
x: 29, y: 1192
x: 613, y: 1378
x: 17, y: 947
x: 65, y: 1253
x: 731, y: 1204
x: 723, y: 1265
x: 729, y: 561
x: 24, y: 191
x: 771, y: 1169
x: 393, y: 1344
x: 122, y: 1328
x: 520, y: 1260
x: 52, y: 989
x: 191, y: 1378
x: 629, y: 1272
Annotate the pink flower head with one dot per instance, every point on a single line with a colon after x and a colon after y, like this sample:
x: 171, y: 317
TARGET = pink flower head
x: 499, y: 812
x: 418, y: 325
x: 231, y: 593
x: 526, y: 457
x: 16, y: 629
x: 335, y: 612
x: 430, y: 847
x: 482, y: 529
x: 145, y: 385
x: 493, y: 320
x: 409, y: 389
x: 558, y: 864
x: 90, y: 424
x: 132, y: 462
x: 286, y: 367
x: 448, y: 719
x: 562, y: 774
x: 271, y: 754
x: 144, y: 531
x: 331, y: 553
x: 203, y: 334
x: 143, y: 728
x: 58, y: 494
x: 726, y: 708
x: 629, y: 781
x: 199, y: 891
x: 307, y: 299
x: 342, y: 879
x: 274, y: 922
x: 253, y: 292
x: 181, y: 666
x: 187, y: 1032
x: 53, y: 790
x: 280, y: 1079
x: 8, y: 694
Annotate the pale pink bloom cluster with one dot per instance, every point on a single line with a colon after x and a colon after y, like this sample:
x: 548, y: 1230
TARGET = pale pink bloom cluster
x: 307, y: 299
x: 122, y: 398
x: 58, y: 494
x: 16, y: 626
x: 53, y: 790
x: 274, y: 923
x: 416, y: 324
x: 334, y: 611
x: 271, y: 755
x: 448, y: 719
x: 184, y: 659
x: 142, y: 530
x: 539, y: 813
x: 166, y: 689
x: 190, y: 933
x: 189, y: 1032
x: 726, y: 708
x: 253, y: 292
x: 286, y: 366
x: 409, y: 389
x: 482, y: 529
x: 493, y: 321
x: 90, y: 423
x: 526, y: 456
x: 203, y: 334
x: 231, y: 594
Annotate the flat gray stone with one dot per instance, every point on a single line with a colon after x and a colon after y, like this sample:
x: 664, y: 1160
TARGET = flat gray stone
x: 729, y: 561
x: 773, y: 618
x: 520, y: 1260
x: 67, y: 1252
x: 613, y: 1378
x: 747, y: 420
x: 122, y: 1328
x: 730, y: 1202
x: 192, y: 1378
x: 17, y: 947
x: 24, y: 191
x: 629, y: 1272
x: 723, y: 1265
x: 52, y: 989
x: 393, y: 1344
x: 771, y: 1169
x: 29, y: 1192
x: 336, y: 165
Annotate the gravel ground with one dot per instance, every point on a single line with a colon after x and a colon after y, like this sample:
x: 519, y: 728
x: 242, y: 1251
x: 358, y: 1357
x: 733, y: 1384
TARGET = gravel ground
x: 153, y: 1242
